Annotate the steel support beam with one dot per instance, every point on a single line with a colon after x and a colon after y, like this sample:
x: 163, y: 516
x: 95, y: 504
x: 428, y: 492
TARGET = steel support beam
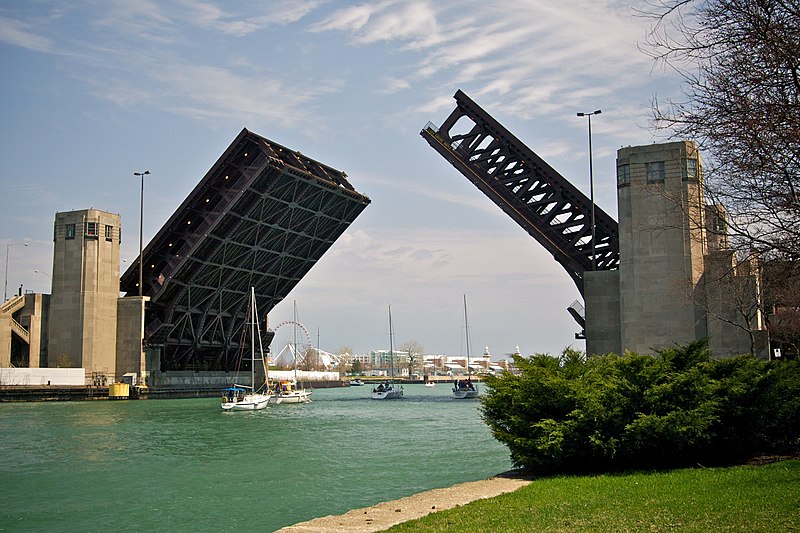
x: 526, y: 188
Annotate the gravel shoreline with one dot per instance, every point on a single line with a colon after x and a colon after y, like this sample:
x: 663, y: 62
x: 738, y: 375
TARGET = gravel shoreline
x: 387, y: 514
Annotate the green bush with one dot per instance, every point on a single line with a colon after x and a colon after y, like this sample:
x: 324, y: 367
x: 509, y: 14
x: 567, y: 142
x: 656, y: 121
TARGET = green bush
x: 574, y: 413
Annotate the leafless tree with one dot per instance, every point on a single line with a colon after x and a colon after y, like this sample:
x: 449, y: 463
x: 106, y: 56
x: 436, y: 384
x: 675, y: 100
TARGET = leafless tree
x: 739, y: 61
x: 415, y: 355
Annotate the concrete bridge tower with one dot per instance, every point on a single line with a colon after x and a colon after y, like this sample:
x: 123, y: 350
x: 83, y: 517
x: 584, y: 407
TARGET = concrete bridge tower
x: 83, y: 304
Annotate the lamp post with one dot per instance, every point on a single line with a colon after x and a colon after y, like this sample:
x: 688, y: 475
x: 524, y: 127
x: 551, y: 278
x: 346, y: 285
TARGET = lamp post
x: 141, y: 217
x: 591, y: 181
x: 8, y: 247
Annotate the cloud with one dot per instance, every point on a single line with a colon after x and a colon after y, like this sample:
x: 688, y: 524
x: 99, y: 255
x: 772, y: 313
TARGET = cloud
x: 209, y: 15
x: 18, y: 33
x: 208, y: 91
x: 534, y: 58
x: 394, y: 85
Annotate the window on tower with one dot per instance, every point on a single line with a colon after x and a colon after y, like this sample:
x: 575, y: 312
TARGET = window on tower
x: 655, y: 172
x: 624, y: 174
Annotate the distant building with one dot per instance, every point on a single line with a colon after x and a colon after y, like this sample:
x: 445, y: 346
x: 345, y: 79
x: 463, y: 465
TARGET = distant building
x: 383, y: 359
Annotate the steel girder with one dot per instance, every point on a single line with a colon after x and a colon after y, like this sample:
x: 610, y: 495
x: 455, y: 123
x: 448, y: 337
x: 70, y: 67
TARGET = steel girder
x: 261, y: 217
x: 524, y: 186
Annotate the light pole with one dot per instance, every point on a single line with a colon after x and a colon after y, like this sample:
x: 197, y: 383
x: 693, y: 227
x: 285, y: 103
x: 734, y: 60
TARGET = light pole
x: 8, y: 247
x: 591, y: 181
x: 141, y: 217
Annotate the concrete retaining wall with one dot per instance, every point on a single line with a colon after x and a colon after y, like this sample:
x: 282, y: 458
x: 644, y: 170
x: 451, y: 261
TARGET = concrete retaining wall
x: 42, y: 376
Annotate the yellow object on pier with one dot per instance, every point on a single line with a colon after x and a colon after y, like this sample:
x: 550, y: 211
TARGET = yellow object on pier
x: 119, y: 391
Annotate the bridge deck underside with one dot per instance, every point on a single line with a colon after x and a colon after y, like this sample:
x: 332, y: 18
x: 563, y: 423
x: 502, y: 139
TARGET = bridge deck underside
x: 261, y: 217
x: 525, y: 187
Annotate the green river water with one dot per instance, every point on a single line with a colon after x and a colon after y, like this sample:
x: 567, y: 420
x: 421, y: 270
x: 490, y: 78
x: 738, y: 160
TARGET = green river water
x: 184, y: 465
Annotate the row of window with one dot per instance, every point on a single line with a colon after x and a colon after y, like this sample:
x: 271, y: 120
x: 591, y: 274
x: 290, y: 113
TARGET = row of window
x: 91, y: 231
x: 655, y: 171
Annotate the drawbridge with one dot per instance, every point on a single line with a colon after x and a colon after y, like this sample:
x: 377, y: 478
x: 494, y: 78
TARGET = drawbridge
x: 261, y: 217
x: 547, y: 206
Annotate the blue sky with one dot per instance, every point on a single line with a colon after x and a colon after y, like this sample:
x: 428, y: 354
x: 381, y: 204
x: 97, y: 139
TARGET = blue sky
x: 95, y: 90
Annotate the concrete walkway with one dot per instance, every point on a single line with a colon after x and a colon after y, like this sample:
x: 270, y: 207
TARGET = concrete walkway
x: 387, y: 514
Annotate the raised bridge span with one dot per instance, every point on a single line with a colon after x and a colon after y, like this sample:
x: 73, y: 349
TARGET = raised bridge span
x: 526, y: 188
x: 261, y: 217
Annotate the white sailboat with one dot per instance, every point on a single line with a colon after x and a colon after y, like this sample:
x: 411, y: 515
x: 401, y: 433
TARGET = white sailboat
x: 286, y: 391
x: 249, y: 397
x: 464, y: 389
x: 388, y: 390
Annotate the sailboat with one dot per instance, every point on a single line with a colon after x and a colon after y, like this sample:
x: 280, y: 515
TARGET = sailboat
x: 388, y: 390
x: 249, y: 397
x: 286, y: 391
x: 465, y: 389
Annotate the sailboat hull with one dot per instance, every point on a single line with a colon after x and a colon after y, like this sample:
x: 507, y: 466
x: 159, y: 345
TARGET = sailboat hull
x: 464, y: 394
x: 390, y: 394
x: 300, y: 396
x: 251, y: 402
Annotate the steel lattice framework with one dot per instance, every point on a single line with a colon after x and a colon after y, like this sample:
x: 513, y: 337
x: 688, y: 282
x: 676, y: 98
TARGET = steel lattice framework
x: 524, y: 186
x: 262, y: 216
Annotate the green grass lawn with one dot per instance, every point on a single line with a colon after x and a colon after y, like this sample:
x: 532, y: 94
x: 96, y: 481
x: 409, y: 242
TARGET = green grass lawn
x: 742, y: 498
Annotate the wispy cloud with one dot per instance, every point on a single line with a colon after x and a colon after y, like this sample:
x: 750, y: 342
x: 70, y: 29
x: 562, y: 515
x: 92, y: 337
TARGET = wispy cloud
x: 218, y: 92
x: 24, y: 35
x: 222, y: 18
x: 534, y: 58
x: 383, y: 21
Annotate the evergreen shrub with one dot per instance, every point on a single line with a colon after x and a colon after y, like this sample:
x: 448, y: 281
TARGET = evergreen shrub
x: 610, y: 412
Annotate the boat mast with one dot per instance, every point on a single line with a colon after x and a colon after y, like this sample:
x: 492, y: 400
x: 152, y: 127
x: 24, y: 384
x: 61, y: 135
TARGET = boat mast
x: 466, y: 330
x: 391, y: 351
x: 294, y: 345
x: 253, y: 326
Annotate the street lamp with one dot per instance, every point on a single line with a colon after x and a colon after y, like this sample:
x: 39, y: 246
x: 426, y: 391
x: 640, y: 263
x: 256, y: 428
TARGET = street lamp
x: 141, y: 216
x: 5, y: 287
x: 591, y: 181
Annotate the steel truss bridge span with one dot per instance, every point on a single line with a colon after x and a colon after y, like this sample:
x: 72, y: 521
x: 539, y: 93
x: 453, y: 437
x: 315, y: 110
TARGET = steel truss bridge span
x: 526, y: 188
x: 261, y: 217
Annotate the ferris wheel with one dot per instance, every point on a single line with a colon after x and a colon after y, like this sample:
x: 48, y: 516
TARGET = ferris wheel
x: 293, y: 342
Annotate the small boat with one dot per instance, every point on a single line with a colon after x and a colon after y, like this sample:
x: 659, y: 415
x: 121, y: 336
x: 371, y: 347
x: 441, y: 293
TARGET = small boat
x: 430, y: 384
x: 249, y: 397
x: 286, y: 391
x: 358, y: 382
x: 465, y: 388
x: 388, y: 390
